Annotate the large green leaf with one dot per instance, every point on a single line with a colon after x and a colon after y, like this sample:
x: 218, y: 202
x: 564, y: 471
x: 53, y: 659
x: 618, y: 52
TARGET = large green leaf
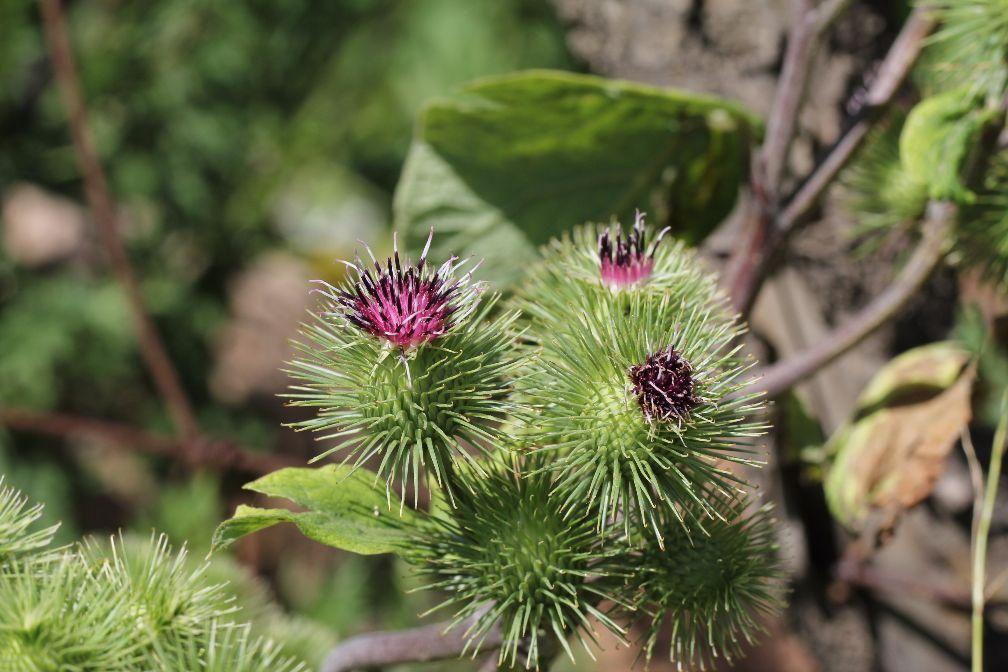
x: 345, y: 510
x: 512, y: 161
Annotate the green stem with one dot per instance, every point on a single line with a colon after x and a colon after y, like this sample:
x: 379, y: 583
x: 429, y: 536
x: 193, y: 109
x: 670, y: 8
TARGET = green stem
x: 982, y: 532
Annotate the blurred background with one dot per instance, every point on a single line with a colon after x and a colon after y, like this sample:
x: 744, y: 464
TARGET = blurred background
x: 251, y: 144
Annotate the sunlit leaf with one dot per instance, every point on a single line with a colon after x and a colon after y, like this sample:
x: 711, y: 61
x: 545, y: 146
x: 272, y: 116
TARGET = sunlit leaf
x: 345, y: 510
x: 512, y: 161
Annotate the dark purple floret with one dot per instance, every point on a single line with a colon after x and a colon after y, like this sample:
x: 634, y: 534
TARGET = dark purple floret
x: 625, y: 260
x: 664, y: 385
x: 405, y: 305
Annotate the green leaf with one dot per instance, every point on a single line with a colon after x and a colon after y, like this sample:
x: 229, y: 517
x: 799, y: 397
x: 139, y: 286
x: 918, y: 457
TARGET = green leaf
x: 939, y: 137
x: 908, y: 419
x: 345, y: 510
x: 512, y: 161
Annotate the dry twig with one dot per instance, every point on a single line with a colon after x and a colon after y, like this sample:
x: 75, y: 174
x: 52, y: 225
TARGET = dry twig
x: 425, y: 644
x: 929, y: 253
x: 770, y: 227
x: 197, y: 452
x: 160, y: 366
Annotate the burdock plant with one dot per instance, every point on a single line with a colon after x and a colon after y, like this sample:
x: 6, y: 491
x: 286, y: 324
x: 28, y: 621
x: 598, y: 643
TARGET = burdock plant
x: 585, y: 443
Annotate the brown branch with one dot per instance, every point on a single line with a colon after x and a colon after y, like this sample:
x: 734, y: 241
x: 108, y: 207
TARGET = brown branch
x: 891, y: 74
x: 96, y: 189
x: 925, y: 258
x: 417, y: 645
x: 223, y: 455
x: 752, y: 259
x: 866, y: 575
x: 803, y: 42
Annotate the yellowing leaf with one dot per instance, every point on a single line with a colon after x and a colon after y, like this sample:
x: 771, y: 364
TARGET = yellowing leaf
x: 909, y: 419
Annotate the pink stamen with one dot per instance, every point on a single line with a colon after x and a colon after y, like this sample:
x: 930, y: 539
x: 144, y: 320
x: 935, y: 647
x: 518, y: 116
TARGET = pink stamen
x: 405, y: 305
x: 625, y: 261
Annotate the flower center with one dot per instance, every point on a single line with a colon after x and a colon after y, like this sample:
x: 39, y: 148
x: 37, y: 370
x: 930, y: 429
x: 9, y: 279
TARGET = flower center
x: 406, y: 305
x: 664, y: 385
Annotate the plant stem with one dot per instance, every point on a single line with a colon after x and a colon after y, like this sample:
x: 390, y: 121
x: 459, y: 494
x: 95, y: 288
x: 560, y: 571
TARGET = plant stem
x: 803, y: 42
x: 863, y: 574
x: 222, y: 455
x: 929, y: 253
x: 891, y: 74
x: 417, y: 645
x: 96, y: 190
x: 768, y: 164
x: 754, y: 255
x: 983, y: 531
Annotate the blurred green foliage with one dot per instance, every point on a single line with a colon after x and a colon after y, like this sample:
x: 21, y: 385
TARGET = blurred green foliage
x: 62, y: 336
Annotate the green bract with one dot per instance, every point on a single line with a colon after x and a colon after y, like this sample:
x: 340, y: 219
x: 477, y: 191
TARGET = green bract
x: 413, y: 409
x: 982, y: 231
x: 16, y: 521
x: 714, y: 590
x: 880, y: 191
x: 939, y: 140
x: 228, y: 647
x: 508, y: 553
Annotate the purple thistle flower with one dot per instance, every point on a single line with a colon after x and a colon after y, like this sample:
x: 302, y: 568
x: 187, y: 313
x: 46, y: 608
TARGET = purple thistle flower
x: 405, y: 305
x: 664, y: 385
x: 624, y: 261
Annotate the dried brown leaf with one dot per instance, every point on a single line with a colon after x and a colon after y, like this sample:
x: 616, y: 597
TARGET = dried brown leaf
x: 889, y: 458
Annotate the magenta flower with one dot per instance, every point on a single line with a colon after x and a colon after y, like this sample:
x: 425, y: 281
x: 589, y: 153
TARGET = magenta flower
x: 664, y: 385
x: 624, y: 261
x: 406, y: 306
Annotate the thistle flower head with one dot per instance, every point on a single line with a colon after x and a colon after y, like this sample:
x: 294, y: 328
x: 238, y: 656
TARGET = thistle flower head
x: 625, y: 260
x: 638, y: 401
x: 664, y: 386
x: 405, y: 306
x: 57, y: 614
x: 426, y: 409
x: 715, y: 589
x: 507, y: 552
x: 586, y: 262
x: 170, y: 594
